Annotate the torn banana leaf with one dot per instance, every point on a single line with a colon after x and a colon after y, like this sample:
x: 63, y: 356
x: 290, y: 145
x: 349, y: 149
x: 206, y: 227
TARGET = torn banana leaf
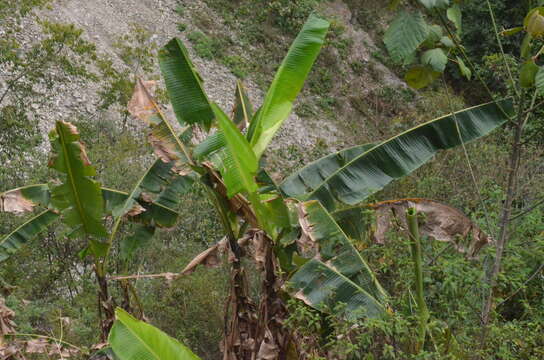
x: 79, y: 198
x: 167, y: 144
x: 370, y: 171
x: 337, y: 274
x: 313, y: 174
x: 184, y: 86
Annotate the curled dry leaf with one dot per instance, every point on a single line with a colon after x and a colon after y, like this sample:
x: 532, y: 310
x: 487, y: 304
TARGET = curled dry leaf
x: 37, y: 346
x: 440, y: 221
x: 7, y: 326
x: 141, y: 104
x: 306, y: 243
x: 209, y: 257
x: 15, y: 202
x: 268, y: 350
x: 137, y: 209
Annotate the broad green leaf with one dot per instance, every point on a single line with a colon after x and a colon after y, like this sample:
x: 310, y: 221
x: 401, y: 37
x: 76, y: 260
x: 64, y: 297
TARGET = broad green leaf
x: 431, y: 4
x: 287, y: 83
x: 465, y: 71
x: 190, y: 102
x: 399, y: 156
x: 313, y: 174
x: 420, y: 76
x: 243, y: 110
x: 527, y: 74
x: 154, y: 195
x: 339, y: 274
x: 211, y: 144
x: 405, y: 34
x: 242, y: 114
x: 534, y: 22
x: 455, y: 16
x: 78, y: 198
x: 140, y: 237
x: 132, y: 339
x: 240, y: 162
x: 539, y: 80
x: 353, y: 221
x: 435, y: 34
x: 26, y: 232
x: 435, y: 58
x: 512, y: 31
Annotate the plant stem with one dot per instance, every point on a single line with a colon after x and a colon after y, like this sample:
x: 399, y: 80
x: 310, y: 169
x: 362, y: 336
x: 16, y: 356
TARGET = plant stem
x: 505, y: 220
x: 415, y: 247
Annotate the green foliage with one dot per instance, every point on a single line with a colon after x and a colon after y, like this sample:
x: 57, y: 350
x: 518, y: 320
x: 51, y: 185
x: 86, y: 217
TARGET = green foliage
x: 405, y: 34
x: 287, y: 83
x: 132, y: 339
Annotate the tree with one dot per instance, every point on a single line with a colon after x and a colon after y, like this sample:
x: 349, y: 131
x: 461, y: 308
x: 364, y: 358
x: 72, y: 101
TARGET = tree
x: 292, y: 230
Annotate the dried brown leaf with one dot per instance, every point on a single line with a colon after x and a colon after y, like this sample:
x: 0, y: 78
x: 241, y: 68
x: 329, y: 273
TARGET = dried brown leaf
x: 209, y: 257
x: 15, y: 202
x: 441, y: 222
x: 37, y: 346
x: 135, y: 210
x: 142, y: 105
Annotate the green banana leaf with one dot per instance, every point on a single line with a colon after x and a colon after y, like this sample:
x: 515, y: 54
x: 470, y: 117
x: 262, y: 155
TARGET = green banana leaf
x: 318, y: 171
x: 242, y: 114
x: 240, y: 163
x: 78, y: 198
x: 132, y: 339
x: 287, y: 83
x: 392, y: 159
x: 156, y: 213
x: 25, y: 232
x: 190, y: 103
x: 339, y: 275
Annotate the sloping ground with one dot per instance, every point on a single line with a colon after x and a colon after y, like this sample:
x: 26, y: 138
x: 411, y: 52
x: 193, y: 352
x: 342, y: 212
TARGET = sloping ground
x: 105, y: 21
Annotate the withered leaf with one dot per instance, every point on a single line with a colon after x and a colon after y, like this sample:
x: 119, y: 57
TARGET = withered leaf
x: 15, y: 202
x: 141, y: 105
x: 440, y: 222
x: 37, y: 346
x: 209, y: 257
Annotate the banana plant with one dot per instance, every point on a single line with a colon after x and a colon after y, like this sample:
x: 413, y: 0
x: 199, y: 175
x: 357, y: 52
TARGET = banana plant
x: 82, y: 205
x: 290, y: 229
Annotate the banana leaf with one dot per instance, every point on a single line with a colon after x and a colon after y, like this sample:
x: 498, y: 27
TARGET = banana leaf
x: 392, y: 159
x: 313, y: 174
x: 132, y: 339
x: 338, y: 274
x: 79, y: 198
x: 287, y: 83
x: 190, y: 103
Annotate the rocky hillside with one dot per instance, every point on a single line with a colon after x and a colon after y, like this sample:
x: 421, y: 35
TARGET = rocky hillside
x: 348, y: 94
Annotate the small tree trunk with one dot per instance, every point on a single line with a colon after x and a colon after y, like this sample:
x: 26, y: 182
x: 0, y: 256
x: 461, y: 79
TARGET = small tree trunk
x: 511, y: 189
x: 106, y: 304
